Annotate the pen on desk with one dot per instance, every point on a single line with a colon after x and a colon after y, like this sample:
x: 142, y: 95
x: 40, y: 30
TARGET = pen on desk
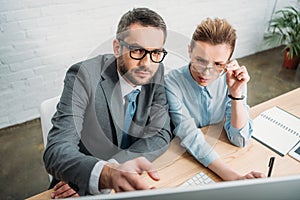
x: 271, y: 163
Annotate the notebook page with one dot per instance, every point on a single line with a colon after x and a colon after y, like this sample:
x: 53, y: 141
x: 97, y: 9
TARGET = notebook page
x: 277, y: 129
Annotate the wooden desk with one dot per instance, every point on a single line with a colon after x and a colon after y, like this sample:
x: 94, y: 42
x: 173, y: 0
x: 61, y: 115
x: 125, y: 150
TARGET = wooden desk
x: 254, y: 156
x: 176, y: 166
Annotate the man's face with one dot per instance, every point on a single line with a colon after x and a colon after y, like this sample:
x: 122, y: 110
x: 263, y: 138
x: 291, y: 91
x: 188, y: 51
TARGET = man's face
x: 208, y: 61
x: 138, y: 72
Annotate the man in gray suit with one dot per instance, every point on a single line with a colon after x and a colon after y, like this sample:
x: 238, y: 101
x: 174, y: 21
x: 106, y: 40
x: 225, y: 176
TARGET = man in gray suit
x: 91, y: 146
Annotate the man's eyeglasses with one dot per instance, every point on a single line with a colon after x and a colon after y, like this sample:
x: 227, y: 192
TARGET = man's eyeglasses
x: 215, y: 70
x: 138, y: 53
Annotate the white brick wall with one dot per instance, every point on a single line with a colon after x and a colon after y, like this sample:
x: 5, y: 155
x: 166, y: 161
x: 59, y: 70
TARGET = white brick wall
x: 39, y: 40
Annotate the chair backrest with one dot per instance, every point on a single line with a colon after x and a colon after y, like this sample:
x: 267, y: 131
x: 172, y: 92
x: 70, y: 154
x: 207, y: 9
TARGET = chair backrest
x: 47, y: 110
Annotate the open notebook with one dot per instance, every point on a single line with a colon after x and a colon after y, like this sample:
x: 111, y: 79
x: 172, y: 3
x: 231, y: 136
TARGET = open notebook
x: 277, y: 129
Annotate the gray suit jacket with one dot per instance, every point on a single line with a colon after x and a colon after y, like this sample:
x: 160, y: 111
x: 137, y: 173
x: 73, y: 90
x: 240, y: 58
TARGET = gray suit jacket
x: 87, y: 125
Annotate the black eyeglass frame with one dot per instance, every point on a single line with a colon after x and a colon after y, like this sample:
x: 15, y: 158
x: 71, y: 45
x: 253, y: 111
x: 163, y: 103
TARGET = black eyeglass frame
x: 132, y: 48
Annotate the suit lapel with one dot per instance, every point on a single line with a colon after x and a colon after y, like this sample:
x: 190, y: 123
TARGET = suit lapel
x: 112, y: 101
x: 111, y: 89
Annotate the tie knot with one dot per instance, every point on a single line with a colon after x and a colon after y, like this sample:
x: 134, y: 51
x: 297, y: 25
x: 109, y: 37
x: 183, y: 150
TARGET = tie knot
x: 131, y: 97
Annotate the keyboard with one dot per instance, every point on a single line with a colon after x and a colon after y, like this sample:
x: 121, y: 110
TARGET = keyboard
x: 199, y: 179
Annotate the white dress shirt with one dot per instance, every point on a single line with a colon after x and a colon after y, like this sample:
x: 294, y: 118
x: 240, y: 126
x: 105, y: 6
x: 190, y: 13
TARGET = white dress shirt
x: 126, y: 88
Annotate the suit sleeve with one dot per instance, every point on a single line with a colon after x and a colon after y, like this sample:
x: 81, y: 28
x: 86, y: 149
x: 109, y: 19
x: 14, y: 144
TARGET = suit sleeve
x: 62, y: 157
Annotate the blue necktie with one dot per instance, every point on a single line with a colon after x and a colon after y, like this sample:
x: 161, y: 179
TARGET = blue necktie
x: 130, y: 101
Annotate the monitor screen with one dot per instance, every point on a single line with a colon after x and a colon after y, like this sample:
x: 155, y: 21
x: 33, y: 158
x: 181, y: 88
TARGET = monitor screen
x: 287, y: 187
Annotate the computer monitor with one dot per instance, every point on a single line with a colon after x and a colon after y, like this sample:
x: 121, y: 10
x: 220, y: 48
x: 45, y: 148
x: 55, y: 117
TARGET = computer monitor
x: 287, y: 187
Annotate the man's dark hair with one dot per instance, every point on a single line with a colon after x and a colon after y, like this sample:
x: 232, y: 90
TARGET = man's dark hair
x: 143, y: 16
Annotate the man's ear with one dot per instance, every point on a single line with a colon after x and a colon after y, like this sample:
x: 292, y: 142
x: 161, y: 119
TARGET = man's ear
x: 116, y: 48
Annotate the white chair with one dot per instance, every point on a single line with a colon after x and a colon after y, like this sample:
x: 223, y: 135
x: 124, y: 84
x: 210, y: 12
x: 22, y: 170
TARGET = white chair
x: 47, y: 110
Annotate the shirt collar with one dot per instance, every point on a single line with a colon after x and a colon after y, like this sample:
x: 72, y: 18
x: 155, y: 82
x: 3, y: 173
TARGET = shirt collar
x: 126, y: 88
x: 192, y: 80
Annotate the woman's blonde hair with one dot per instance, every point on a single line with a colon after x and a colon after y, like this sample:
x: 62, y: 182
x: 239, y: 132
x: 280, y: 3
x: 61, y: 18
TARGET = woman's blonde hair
x: 215, y: 31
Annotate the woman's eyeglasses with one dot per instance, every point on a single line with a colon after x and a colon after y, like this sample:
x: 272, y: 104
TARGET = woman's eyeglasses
x: 215, y: 70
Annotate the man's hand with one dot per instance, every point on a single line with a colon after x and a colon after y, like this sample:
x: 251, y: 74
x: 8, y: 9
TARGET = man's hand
x: 63, y: 190
x: 127, y: 176
x: 236, y: 78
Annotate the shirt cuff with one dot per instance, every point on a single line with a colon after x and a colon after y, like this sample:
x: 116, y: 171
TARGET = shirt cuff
x: 94, y: 178
x: 196, y: 145
x: 95, y: 175
x: 240, y: 137
x: 209, y: 157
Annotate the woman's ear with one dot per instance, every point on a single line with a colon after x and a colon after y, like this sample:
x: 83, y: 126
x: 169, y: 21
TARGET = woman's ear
x: 189, y: 50
x: 116, y: 48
